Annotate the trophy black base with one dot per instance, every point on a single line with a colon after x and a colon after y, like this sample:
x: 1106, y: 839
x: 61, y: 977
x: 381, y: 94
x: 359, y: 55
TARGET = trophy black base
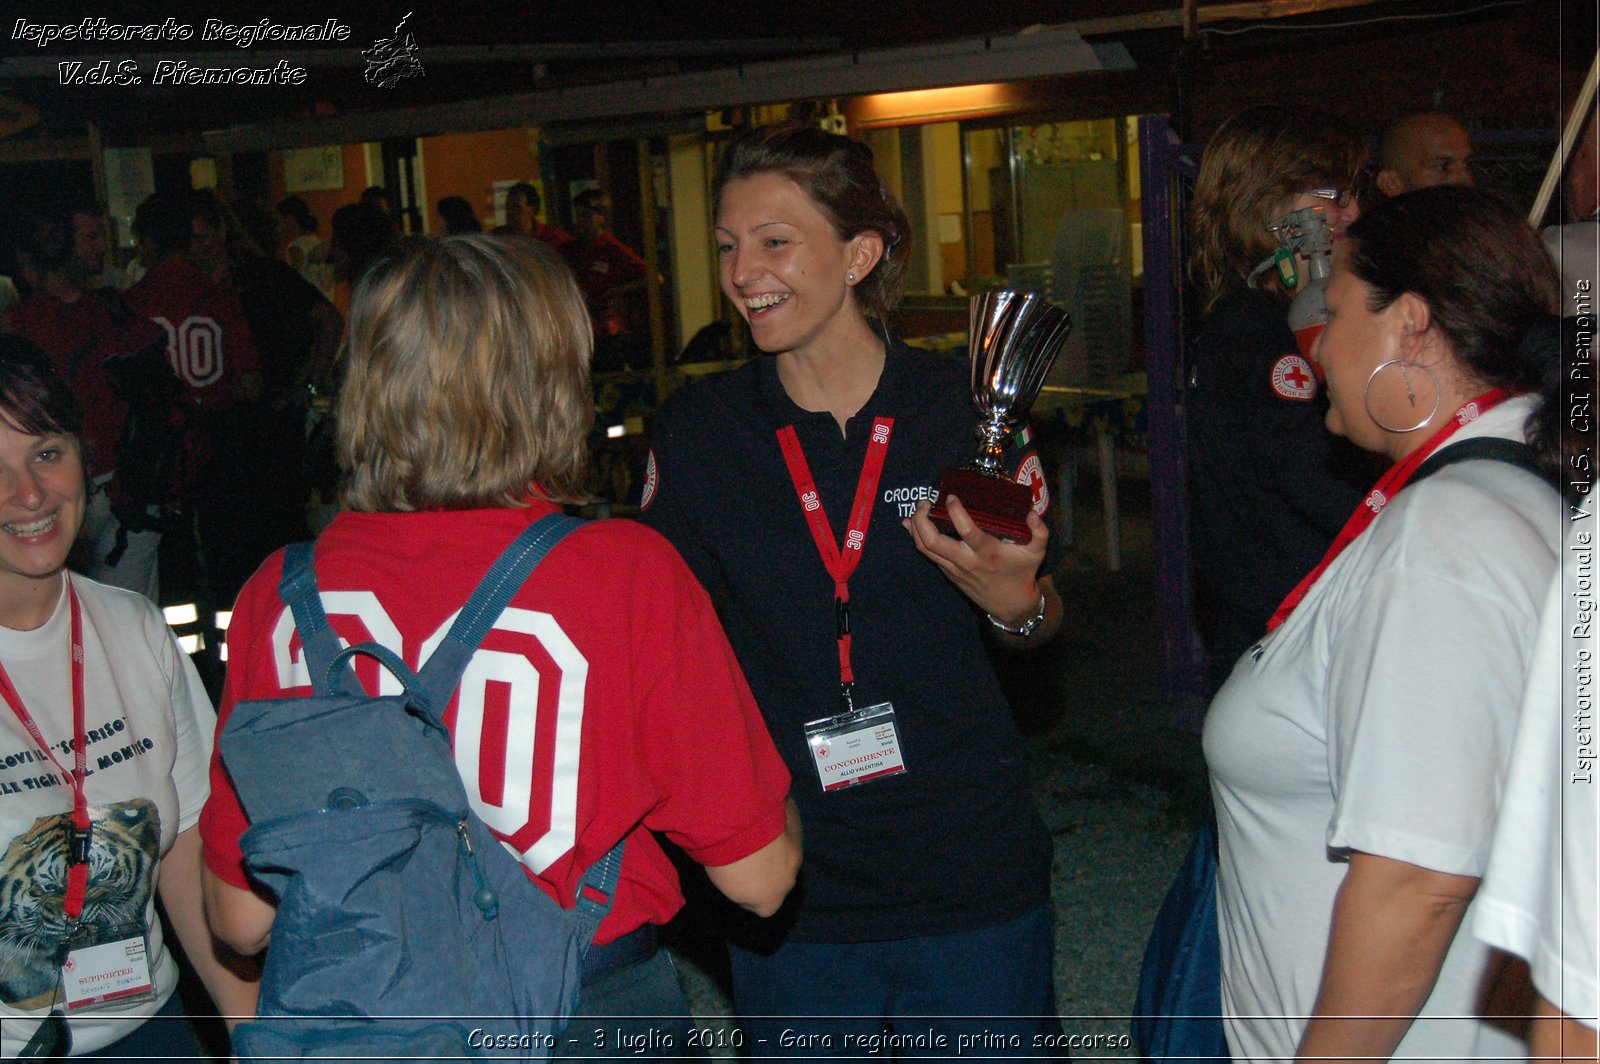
x: 998, y: 505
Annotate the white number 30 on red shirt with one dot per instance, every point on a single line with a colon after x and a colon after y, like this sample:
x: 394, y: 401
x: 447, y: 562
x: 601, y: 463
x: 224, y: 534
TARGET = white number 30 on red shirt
x: 522, y: 675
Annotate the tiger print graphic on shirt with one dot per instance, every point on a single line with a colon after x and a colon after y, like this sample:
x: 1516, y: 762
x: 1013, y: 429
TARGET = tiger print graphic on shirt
x: 33, y: 882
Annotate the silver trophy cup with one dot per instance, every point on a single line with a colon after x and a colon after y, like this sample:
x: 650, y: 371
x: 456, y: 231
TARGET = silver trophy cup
x: 1013, y: 339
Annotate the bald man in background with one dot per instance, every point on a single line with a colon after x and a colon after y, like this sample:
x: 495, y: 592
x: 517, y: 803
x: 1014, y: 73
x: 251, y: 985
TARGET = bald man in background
x: 1422, y: 150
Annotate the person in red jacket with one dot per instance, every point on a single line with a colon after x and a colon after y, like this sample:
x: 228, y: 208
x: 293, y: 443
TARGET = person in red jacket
x: 208, y: 338
x: 522, y: 218
x: 612, y: 277
x: 211, y: 350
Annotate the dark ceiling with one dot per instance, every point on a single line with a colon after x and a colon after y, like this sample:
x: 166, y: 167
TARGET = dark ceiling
x: 556, y: 44
x: 473, y: 50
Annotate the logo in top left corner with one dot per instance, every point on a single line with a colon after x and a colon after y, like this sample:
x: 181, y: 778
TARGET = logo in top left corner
x: 393, y: 59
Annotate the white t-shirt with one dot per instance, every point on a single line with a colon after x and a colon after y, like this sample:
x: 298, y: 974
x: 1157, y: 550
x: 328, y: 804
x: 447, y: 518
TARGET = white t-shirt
x: 309, y: 255
x: 1378, y: 718
x: 149, y: 727
x: 1575, y: 249
x: 1538, y: 899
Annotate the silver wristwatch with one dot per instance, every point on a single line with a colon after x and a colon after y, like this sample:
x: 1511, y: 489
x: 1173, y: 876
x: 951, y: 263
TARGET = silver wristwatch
x: 1026, y: 628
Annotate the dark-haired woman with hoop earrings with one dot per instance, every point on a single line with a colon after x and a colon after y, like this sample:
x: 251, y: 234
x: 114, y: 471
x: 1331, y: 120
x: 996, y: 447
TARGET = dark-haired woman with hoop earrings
x: 1357, y: 750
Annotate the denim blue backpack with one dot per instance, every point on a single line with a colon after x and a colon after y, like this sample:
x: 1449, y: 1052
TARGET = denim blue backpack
x: 1178, y: 1006
x: 403, y: 925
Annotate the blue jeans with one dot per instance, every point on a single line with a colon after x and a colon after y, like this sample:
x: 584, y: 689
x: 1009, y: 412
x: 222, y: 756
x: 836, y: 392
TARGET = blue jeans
x: 982, y: 994
x: 166, y: 1035
x: 636, y: 1013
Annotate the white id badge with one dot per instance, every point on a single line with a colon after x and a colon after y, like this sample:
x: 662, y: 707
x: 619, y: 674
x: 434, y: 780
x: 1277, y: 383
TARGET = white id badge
x: 112, y: 969
x: 856, y: 747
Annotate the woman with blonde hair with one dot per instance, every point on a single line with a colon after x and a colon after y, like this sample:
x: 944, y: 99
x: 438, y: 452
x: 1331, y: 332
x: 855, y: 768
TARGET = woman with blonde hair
x: 463, y: 421
x: 1268, y: 490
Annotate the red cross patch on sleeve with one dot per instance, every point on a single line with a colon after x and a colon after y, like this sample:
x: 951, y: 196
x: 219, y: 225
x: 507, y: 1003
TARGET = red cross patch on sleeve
x: 1031, y: 474
x: 651, y: 478
x: 1293, y: 378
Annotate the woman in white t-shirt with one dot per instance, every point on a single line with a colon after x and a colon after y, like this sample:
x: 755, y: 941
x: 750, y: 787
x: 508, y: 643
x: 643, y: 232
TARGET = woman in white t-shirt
x: 105, y: 734
x: 1357, y: 750
x: 1539, y: 898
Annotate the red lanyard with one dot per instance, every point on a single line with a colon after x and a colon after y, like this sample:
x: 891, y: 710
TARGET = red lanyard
x: 78, y: 868
x: 1388, y: 486
x: 840, y: 563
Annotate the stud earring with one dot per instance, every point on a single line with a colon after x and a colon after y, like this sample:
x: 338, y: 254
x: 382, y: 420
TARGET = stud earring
x: 850, y: 278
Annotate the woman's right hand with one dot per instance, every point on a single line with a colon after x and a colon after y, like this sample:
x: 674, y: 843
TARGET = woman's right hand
x: 1000, y: 578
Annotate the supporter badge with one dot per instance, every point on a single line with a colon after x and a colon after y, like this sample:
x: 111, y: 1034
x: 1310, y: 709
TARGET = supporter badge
x: 1293, y: 378
x: 105, y: 966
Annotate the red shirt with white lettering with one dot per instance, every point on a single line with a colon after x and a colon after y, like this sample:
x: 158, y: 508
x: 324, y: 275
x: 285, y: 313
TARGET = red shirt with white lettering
x: 208, y: 337
x: 611, y: 627
x: 79, y: 337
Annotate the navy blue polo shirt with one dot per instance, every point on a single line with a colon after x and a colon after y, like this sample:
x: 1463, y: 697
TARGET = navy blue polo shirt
x: 953, y: 844
x: 1269, y: 485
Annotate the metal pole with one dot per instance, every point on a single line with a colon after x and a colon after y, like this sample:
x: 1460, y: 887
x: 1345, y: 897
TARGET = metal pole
x: 652, y: 277
x: 969, y: 238
x: 1181, y: 659
x: 1569, y: 137
x: 97, y: 159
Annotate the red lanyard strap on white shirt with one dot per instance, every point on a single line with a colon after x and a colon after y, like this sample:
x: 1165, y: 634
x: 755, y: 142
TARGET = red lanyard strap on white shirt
x: 840, y: 562
x: 78, y: 857
x: 1388, y: 486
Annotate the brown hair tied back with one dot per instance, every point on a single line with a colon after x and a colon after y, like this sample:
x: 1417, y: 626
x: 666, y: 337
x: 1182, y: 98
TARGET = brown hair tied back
x: 1490, y: 288
x: 837, y: 173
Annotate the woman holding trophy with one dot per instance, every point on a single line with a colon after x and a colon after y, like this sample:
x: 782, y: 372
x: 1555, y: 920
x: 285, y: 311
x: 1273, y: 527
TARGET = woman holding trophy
x: 924, y: 909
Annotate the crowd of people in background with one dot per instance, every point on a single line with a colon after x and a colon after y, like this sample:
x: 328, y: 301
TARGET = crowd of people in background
x: 247, y: 303
x: 184, y: 420
x: 195, y: 379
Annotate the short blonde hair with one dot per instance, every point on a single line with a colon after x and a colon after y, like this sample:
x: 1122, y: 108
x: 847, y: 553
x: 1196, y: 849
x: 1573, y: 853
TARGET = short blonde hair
x: 468, y: 382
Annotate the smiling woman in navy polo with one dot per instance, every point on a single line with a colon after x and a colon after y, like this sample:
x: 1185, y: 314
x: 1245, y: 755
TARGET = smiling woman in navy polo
x: 924, y: 902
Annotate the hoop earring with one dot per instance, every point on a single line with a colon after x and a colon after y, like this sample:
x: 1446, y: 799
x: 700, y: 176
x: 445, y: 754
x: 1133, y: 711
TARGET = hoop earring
x: 1405, y: 373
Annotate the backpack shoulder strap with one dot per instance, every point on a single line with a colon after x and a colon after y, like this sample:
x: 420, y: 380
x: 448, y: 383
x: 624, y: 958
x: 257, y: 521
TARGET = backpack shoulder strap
x: 298, y: 589
x: 1494, y: 448
x: 442, y: 671
x: 596, y: 891
x: 330, y: 664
